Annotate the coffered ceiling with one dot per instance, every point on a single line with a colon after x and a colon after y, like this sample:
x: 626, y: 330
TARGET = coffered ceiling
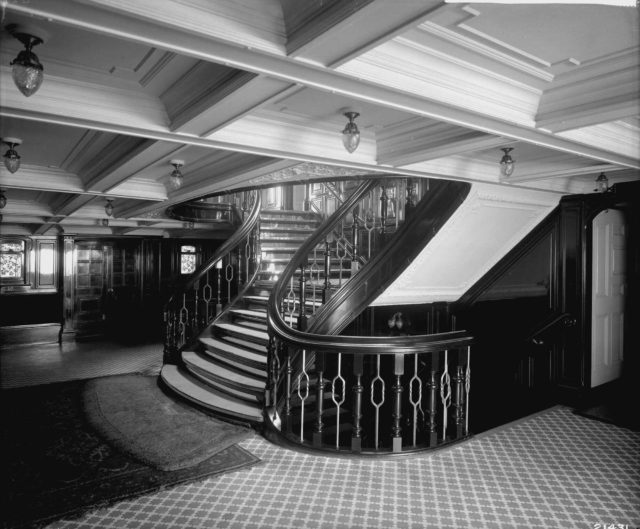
x: 252, y: 91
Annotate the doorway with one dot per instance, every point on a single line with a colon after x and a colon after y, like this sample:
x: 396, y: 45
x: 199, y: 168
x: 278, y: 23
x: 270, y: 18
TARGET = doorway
x: 608, y: 285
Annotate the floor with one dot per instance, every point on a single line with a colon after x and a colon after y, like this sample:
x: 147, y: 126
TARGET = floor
x: 553, y: 469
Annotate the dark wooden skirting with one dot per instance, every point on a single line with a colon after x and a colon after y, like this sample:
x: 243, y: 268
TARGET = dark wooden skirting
x: 20, y: 335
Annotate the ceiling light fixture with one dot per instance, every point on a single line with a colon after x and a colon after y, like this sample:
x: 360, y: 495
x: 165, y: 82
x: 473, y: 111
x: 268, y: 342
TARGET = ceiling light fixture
x: 108, y: 208
x: 351, y: 134
x: 602, y: 183
x: 11, y: 157
x: 3, y: 199
x: 507, y: 164
x: 26, y: 69
x: 176, y: 178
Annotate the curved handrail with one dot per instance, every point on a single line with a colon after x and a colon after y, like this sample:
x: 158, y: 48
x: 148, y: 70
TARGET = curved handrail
x: 239, y: 235
x: 357, y: 345
x: 551, y: 324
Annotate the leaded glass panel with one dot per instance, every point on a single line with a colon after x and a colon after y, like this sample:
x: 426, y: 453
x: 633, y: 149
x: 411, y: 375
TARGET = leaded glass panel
x: 11, y: 265
x: 187, y: 263
x: 12, y: 246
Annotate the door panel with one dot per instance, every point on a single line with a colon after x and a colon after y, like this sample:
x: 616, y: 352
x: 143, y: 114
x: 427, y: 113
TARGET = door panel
x: 608, y: 297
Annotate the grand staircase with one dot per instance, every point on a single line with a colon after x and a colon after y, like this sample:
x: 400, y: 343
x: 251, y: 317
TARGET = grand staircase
x: 225, y: 370
x: 257, y: 333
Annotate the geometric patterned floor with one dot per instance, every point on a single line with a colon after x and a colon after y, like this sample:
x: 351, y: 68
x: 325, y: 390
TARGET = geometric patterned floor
x: 550, y: 470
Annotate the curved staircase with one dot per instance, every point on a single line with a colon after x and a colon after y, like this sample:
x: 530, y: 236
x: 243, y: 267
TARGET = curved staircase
x: 225, y: 370
x: 275, y: 353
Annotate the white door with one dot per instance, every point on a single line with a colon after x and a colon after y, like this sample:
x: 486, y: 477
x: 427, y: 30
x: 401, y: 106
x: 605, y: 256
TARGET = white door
x: 607, y: 296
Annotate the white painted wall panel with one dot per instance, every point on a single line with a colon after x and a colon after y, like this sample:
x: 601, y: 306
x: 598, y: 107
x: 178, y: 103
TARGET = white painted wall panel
x: 489, y: 223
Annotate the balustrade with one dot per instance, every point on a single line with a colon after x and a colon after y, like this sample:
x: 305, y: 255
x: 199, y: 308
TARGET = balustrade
x: 372, y: 403
x: 214, y: 284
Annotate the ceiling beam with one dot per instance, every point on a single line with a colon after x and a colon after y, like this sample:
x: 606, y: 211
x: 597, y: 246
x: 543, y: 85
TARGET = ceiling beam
x: 151, y: 28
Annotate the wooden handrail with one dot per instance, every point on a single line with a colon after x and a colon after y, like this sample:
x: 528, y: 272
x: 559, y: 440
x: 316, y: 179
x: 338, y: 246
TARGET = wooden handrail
x: 549, y: 325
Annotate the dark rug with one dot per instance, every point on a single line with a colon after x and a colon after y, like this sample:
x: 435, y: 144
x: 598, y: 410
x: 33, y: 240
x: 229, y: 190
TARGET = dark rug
x: 55, y: 465
x: 136, y: 416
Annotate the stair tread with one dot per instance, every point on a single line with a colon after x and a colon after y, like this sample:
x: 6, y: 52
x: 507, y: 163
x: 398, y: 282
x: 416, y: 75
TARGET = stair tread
x: 236, y: 350
x: 232, y: 327
x: 253, y: 325
x: 190, y: 387
x: 261, y: 314
x: 194, y: 359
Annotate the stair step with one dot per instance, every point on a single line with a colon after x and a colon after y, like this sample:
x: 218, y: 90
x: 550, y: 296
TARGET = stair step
x: 240, y: 385
x: 235, y: 362
x: 252, y: 325
x: 258, y: 358
x: 244, y: 333
x: 260, y: 348
x: 204, y: 395
x: 254, y: 315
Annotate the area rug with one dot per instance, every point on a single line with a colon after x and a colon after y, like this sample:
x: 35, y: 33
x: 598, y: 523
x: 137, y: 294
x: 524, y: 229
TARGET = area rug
x: 55, y: 465
x: 136, y: 416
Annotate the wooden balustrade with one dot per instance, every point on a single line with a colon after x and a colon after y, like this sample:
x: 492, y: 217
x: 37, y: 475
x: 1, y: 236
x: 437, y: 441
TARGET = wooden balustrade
x: 203, y: 295
x: 376, y: 403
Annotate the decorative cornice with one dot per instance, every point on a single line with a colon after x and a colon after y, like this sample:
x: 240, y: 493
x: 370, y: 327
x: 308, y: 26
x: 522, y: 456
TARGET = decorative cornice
x: 306, y: 171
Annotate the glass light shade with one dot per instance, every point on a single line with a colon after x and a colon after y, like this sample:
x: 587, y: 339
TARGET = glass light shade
x: 351, y: 134
x: 3, y: 200
x: 176, y: 178
x: 27, y: 72
x: 12, y: 160
x: 108, y: 209
x: 507, y: 164
x: 351, y: 137
x: 602, y: 183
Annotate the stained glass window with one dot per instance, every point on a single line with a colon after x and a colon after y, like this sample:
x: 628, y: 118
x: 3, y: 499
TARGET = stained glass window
x: 187, y: 259
x: 12, y: 259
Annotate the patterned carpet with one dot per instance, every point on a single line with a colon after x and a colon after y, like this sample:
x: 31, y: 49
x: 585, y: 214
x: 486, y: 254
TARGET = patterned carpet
x: 554, y: 469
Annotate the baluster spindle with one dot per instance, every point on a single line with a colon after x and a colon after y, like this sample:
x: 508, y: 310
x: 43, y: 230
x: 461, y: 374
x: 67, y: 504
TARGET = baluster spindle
x: 287, y: 398
x: 432, y: 387
x: 396, y: 430
x: 228, y: 275
x: 318, y: 429
x: 375, y: 402
x: 445, y: 394
x: 338, y: 401
x: 467, y: 388
x: 384, y: 199
x: 219, y: 284
x: 369, y: 225
x: 303, y: 377
x: 302, y: 312
x: 291, y: 302
x: 196, y: 313
x: 355, y: 240
x: 341, y: 252
x: 207, y: 296
x: 458, y: 396
x: 314, y: 275
x: 415, y: 397
x: 326, y: 293
x: 358, y: 390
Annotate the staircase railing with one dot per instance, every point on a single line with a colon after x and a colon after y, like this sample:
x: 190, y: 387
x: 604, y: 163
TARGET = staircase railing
x: 204, y: 294
x: 402, y: 413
